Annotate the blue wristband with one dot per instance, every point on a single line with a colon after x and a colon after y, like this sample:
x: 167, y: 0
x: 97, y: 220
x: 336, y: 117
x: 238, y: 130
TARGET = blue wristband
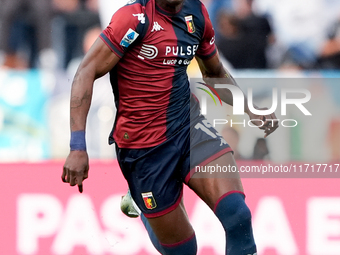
x: 77, y: 142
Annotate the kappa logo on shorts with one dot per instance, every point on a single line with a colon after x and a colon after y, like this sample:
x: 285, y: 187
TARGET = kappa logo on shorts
x: 129, y: 38
x: 149, y: 200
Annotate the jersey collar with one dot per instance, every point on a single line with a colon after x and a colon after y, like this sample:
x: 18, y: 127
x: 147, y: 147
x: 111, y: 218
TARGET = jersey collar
x: 161, y: 10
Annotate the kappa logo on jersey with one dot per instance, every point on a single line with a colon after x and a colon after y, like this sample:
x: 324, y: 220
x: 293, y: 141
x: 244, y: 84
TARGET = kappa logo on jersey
x: 156, y: 27
x: 148, y: 51
x: 190, y: 24
x: 140, y: 17
x: 129, y: 38
x: 149, y: 200
x: 131, y: 1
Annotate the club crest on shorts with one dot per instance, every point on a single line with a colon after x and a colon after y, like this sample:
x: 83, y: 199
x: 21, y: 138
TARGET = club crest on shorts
x: 149, y: 200
x: 190, y: 24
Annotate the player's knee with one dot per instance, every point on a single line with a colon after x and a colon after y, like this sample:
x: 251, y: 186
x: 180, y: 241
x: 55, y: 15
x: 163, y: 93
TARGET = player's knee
x: 186, y: 247
x: 233, y: 212
x: 235, y: 217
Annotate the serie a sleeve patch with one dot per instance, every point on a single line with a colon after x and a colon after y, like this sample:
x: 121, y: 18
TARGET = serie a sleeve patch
x: 130, y: 36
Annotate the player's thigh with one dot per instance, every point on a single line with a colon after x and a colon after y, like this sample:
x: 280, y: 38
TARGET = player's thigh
x: 172, y: 227
x: 211, y: 187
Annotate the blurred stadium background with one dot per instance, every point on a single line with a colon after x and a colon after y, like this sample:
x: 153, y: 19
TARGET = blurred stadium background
x: 41, y: 45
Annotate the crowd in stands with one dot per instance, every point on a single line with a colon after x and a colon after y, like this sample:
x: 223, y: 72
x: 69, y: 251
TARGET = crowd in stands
x: 250, y: 34
x: 44, y: 33
x: 258, y: 34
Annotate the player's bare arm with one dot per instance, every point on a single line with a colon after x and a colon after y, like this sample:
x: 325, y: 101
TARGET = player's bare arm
x: 213, y: 73
x: 97, y: 62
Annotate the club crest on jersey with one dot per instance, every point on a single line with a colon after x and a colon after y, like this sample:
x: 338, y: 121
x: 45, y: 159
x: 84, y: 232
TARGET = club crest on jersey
x: 190, y: 24
x: 129, y: 38
x: 149, y: 200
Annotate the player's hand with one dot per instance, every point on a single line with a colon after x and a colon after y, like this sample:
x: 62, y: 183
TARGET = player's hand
x: 268, y: 123
x: 76, y: 169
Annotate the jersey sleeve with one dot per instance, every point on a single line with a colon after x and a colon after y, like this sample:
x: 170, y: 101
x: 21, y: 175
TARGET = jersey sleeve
x: 207, y: 48
x: 120, y: 34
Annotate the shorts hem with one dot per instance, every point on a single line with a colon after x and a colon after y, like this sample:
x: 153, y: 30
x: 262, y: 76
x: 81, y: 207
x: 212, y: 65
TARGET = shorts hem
x: 179, y: 243
x: 207, y: 161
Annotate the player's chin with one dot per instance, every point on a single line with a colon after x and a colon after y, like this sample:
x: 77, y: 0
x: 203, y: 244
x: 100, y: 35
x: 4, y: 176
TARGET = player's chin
x: 174, y: 2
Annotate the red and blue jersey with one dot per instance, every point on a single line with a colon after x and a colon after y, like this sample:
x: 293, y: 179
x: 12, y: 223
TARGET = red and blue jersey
x: 150, y: 81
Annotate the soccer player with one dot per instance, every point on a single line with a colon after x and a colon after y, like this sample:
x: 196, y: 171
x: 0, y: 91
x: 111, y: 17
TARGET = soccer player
x: 159, y: 133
